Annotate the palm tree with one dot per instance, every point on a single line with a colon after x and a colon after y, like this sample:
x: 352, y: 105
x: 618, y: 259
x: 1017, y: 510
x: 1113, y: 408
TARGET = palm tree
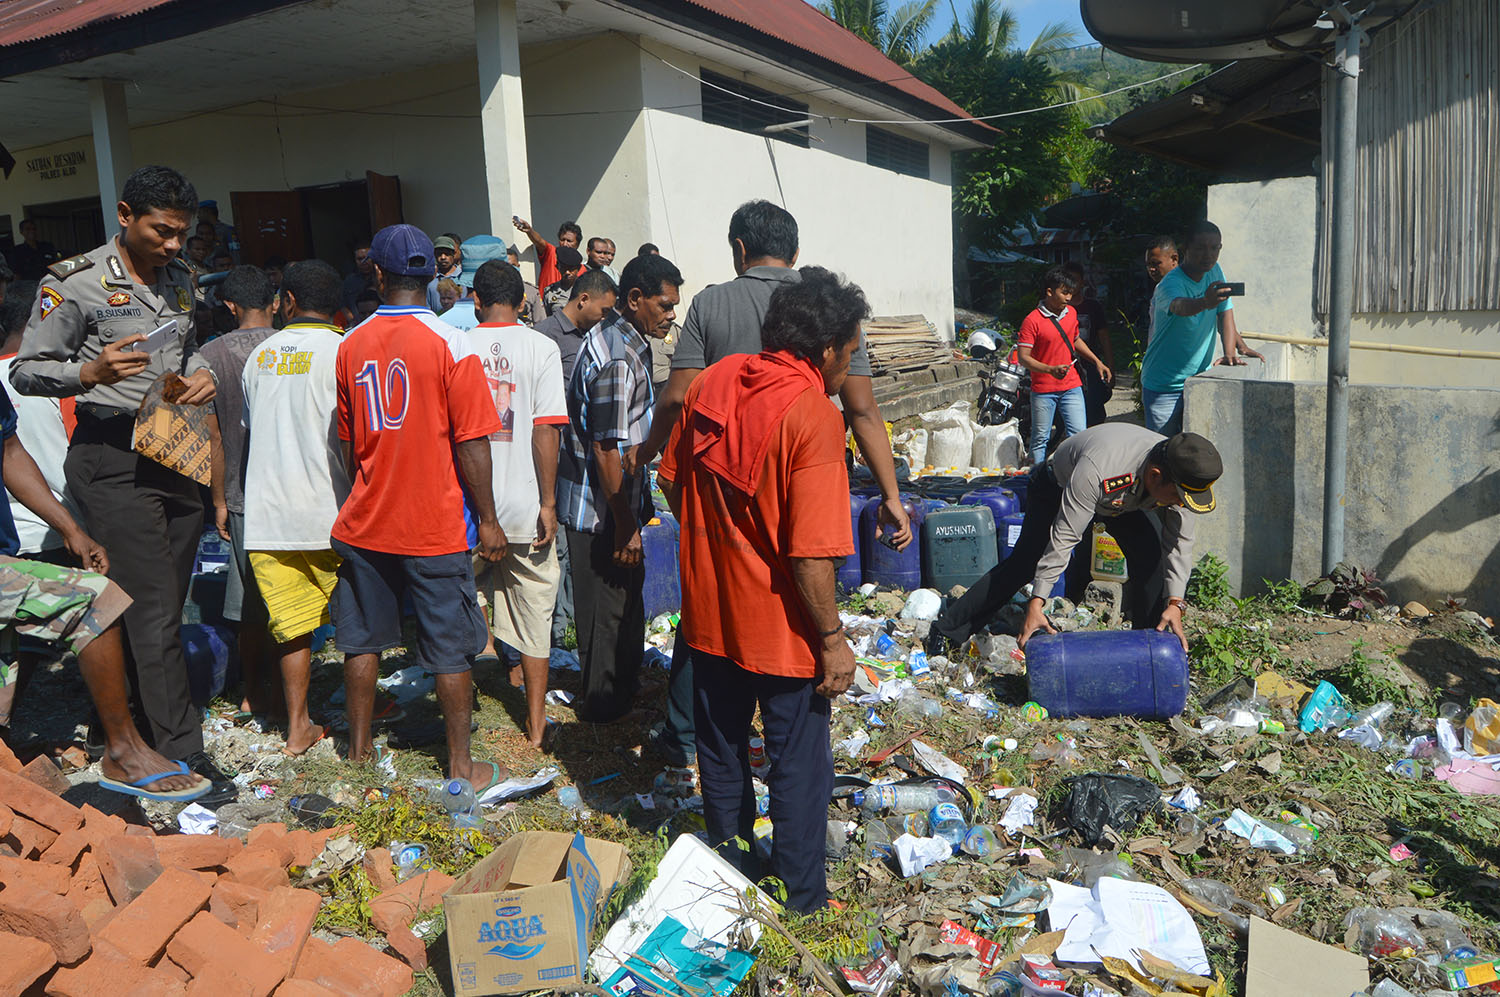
x: 989, y: 30
x: 899, y: 33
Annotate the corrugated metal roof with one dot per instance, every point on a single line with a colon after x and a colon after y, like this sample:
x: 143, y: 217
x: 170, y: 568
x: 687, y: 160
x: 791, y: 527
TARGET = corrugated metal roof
x: 31, y: 20
x: 803, y: 26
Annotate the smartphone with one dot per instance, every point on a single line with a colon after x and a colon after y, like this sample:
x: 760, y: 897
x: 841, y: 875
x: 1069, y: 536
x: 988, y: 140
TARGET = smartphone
x: 159, y: 337
x: 1236, y: 290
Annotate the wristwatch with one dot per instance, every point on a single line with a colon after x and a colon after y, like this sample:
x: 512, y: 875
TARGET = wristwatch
x: 1179, y: 603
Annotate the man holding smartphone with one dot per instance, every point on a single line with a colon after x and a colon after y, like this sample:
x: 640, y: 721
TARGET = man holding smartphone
x: 92, y: 318
x: 1190, y: 305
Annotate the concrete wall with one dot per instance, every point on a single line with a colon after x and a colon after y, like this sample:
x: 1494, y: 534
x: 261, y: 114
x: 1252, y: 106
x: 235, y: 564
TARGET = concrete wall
x: 1270, y: 243
x: 1423, y: 493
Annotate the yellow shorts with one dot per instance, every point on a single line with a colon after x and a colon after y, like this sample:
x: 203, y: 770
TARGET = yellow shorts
x: 295, y: 585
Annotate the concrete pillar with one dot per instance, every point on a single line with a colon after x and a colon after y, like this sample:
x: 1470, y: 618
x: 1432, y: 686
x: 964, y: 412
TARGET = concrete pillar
x: 111, y: 143
x: 502, y: 119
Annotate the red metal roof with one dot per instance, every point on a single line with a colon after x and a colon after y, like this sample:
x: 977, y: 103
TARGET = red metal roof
x: 803, y: 26
x: 29, y: 20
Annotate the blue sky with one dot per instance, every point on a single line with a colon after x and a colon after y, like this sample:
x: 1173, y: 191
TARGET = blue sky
x: 1031, y: 16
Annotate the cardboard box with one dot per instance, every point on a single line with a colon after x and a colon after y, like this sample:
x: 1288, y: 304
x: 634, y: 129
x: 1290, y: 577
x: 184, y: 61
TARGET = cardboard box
x: 521, y: 918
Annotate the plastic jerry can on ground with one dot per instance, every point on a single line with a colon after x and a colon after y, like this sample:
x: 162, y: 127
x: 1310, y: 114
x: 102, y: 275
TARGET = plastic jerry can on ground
x: 663, y: 586
x: 1107, y: 560
x: 958, y: 546
x: 851, y: 574
x: 1001, y: 503
x: 884, y: 565
x: 1107, y: 673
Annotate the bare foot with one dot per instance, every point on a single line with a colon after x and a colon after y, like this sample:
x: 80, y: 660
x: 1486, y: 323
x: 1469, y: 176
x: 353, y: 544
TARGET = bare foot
x: 129, y: 764
x: 300, y: 737
x: 479, y: 774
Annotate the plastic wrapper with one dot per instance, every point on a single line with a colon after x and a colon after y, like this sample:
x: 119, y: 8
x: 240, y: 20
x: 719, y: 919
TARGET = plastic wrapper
x: 1086, y: 867
x: 1097, y: 800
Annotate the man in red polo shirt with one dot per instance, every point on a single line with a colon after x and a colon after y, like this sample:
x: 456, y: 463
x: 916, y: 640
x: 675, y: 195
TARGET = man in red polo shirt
x: 755, y: 472
x: 412, y: 404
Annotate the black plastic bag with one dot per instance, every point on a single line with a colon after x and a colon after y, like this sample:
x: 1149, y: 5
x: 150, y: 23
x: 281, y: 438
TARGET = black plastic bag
x: 1097, y: 799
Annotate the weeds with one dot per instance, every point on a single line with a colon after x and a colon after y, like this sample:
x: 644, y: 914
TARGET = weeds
x: 1364, y: 678
x: 1208, y: 585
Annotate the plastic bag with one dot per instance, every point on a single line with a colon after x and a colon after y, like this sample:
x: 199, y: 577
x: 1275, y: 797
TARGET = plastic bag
x: 1375, y: 932
x: 912, y: 444
x: 922, y: 604
x: 950, y: 440
x: 1097, y: 799
x: 997, y: 446
x: 1482, y: 729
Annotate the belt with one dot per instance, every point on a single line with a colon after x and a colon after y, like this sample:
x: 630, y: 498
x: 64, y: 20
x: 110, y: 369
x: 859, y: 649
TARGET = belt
x: 100, y: 413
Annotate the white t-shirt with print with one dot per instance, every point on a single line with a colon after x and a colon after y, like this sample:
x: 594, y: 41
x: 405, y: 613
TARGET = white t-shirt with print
x: 295, y: 479
x: 524, y: 370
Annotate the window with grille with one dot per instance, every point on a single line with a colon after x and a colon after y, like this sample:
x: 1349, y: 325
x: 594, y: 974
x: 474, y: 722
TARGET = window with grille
x: 890, y: 151
x: 736, y: 104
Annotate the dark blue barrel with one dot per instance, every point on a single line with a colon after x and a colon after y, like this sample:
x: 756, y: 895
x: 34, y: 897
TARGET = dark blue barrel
x: 207, y: 650
x: 1018, y: 484
x: 958, y: 546
x: 1108, y: 673
x: 1008, y: 531
x: 894, y: 568
x: 943, y: 487
x: 851, y: 573
x: 663, y: 588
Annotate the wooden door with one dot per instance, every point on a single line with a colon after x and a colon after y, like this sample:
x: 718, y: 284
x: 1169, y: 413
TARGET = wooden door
x: 270, y: 223
x: 385, y: 200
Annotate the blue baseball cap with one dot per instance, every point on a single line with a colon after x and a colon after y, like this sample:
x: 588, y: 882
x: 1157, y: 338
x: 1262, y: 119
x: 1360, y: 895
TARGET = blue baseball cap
x: 479, y: 250
x: 403, y: 249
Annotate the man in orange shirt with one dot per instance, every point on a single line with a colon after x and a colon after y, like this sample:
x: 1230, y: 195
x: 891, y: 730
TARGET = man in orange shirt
x: 755, y: 472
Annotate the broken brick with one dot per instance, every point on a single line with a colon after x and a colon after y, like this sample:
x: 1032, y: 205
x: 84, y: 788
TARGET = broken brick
x: 206, y: 942
x: 400, y: 905
x: 354, y: 968
x: 74, y: 757
x: 43, y: 771
x: 380, y: 869
x: 67, y: 848
x: 237, y: 905
x: 141, y: 931
x: 128, y: 865
x: 272, y: 835
x: 6, y: 816
x: 23, y: 961
x: 100, y: 825
x: 35, y: 913
x: 8, y: 760
x: 195, y: 851
x: 105, y: 972
x: 52, y: 878
x: 286, y: 921
x: 411, y: 949
x: 87, y: 883
x: 159, y: 986
x: 303, y: 988
x: 28, y: 838
x: 28, y: 799
x: 220, y: 981
x: 258, y: 867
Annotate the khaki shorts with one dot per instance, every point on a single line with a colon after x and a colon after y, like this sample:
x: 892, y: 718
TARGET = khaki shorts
x: 295, y: 586
x: 522, y: 589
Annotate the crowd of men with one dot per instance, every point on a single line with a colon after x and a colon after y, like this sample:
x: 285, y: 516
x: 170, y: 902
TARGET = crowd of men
x: 433, y: 435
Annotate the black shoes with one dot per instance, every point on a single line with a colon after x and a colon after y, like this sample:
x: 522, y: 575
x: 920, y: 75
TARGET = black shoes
x: 224, y: 789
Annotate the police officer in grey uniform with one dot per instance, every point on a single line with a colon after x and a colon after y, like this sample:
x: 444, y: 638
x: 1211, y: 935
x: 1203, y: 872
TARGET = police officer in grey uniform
x: 91, y: 312
x: 1117, y: 473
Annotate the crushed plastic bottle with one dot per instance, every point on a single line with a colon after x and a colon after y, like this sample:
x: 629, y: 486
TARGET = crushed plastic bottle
x: 915, y: 705
x: 981, y: 843
x: 1374, y: 716
x: 946, y: 821
x: 908, y: 798
x: 1384, y: 933
x: 410, y: 858
x: 1365, y: 736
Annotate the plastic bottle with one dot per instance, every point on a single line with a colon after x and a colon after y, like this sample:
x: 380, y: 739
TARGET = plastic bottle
x: 946, y: 821
x: 757, y: 751
x: 1454, y: 944
x: 912, y: 824
x: 908, y: 798
x: 1373, y: 716
x: 456, y: 796
x: 981, y: 842
x: 410, y: 858
x: 1383, y: 933
x: 916, y: 706
x: 1407, y: 768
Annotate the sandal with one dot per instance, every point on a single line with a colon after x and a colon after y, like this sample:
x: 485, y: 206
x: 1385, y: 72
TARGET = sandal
x: 137, y: 788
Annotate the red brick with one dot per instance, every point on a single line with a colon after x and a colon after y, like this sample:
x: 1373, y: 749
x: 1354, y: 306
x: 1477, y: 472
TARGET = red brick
x: 27, y: 910
x: 28, y: 799
x: 286, y: 920
x: 220, y: 981
x: 104, y: 972
x: 195, y: 851
x: 87, y: 882
x: 173, y: 970
x: 354, y: 968
x: 258, y: 867
x: 52, y: 878
x: 141, y: 931
x: 380, y: 869
x: 237, y: 905
x: 6, y: 816
x: 128, y: 865
x: 23, y: 961
x: 67, y: 848
x: 74, y: 757
x: 139, y: 830
x: 400, y: 905
x: 411, y: 949
x: 303, y: 988
x: 43, y: 771
x: 8, y: 760
x: 272, y: 836
x: 208, y: 942
x: 100, y: 825
x: 28, y: 838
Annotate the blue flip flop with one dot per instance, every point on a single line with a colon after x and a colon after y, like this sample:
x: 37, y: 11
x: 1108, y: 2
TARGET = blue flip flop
x: 164, y: 796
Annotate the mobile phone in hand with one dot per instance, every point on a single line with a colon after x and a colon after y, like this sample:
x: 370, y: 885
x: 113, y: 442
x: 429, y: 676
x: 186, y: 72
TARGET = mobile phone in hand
x: 1236, y: 290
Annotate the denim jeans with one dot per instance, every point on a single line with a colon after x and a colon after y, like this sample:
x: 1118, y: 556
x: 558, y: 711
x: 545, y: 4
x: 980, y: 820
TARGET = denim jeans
x: 1043, y: 405
x: 1163, y: 411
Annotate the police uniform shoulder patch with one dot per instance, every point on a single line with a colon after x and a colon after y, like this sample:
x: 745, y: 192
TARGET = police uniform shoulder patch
x: 119, y: 298
x: 48, y: 299
x: 63, y: 269
x: 116, y: 269
x: 1118, y: 483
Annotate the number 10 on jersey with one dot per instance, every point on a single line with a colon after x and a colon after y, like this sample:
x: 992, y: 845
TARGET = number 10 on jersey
x: 386, y: 399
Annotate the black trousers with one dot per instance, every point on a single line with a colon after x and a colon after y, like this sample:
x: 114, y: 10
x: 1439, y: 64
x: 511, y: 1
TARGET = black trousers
x: 609, y: 611
x: 149, y: 520
x: 985, y: 598
x: 795, y: 720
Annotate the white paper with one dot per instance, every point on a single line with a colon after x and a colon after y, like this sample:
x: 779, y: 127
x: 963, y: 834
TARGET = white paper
x: 938, y: 763
x: 1119, y: 918
x: 516, y: 785
x: 1186, y: 799
x: 1021, y: 813
x: 915, y: 854
x: 195, y: 819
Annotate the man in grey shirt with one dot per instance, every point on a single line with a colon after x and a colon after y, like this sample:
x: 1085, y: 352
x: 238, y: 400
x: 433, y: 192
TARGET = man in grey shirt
x: 82, y: 339
x: 1115, y: 473
x: 724, y: 320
